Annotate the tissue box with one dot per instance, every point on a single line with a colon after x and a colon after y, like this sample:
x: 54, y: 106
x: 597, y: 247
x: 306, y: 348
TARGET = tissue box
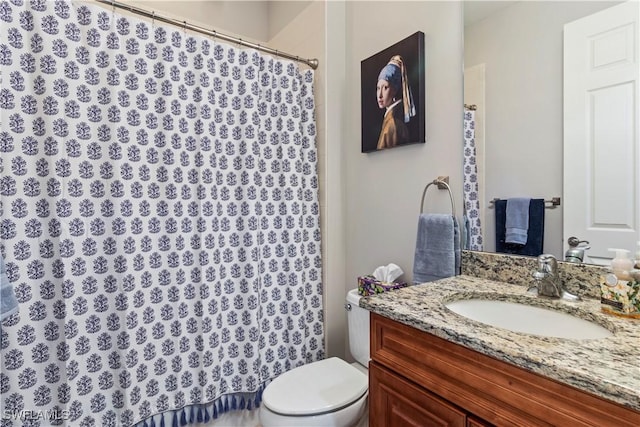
x: 369, y: 285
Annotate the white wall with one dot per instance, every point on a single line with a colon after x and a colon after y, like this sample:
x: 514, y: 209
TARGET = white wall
x: 334, y: 258
x: 253, y: 20
x: 383, y: 189
x: 246, y: 19
x: 283, y: 12
x: 521, y: 48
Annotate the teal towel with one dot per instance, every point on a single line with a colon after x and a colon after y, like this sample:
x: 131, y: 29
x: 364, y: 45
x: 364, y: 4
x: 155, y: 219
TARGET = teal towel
x: 8, y: 301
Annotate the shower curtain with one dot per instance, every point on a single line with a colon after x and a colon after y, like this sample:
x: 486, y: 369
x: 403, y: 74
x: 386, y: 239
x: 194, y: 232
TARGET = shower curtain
x: 473, y: 227
x: 160, y: 221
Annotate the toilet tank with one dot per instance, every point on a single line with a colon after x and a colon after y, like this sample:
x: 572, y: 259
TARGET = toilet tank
x: 358, y: 325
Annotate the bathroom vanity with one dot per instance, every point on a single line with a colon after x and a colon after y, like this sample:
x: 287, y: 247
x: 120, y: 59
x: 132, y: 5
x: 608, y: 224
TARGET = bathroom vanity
x: 430, y: 366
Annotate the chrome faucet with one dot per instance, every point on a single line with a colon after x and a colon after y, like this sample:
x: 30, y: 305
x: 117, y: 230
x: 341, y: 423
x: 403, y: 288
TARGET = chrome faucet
x: 575, y: 253
x: 547, y: 279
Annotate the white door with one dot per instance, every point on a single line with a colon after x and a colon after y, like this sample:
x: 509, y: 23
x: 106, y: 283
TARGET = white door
x: 601, y: 131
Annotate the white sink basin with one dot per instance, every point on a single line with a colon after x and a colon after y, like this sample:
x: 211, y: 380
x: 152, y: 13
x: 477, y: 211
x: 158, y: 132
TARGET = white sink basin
x: 528, y: 319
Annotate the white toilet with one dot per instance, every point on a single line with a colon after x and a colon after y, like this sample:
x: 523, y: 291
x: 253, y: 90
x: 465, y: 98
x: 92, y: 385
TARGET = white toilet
x: 327, y: 393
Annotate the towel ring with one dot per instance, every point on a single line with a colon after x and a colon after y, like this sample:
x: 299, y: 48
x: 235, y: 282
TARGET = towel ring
x: 442, y: 184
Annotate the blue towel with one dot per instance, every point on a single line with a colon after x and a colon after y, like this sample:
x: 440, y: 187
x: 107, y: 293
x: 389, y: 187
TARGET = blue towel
x: 535, y: 234
x: 8, y: 301
x: 517, y: 221
x: 437, y: 248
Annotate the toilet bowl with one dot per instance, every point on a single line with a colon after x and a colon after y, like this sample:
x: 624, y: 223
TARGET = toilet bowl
x: 330, y: 392
x: 326, y: 393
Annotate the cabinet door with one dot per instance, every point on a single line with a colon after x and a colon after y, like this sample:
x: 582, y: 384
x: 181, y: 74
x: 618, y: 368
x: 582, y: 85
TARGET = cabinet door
x: 394, y: 401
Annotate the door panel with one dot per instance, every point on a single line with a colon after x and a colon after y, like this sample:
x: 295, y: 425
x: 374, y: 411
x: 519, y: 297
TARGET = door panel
x: 601, y: 131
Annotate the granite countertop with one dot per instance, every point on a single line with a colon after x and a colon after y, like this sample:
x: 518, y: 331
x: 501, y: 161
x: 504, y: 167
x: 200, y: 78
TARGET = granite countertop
x: 607, y: 367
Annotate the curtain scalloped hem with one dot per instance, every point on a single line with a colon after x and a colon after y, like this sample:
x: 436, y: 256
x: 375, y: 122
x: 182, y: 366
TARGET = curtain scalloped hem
x: 205, y: 412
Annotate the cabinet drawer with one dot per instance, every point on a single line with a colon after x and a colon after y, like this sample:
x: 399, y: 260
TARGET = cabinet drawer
x: 495, y: 391
x: 398, y: 402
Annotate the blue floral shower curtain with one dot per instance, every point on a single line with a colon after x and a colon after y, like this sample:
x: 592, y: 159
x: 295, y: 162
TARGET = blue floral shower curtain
x: 160, y: 222
x: 473, y: 226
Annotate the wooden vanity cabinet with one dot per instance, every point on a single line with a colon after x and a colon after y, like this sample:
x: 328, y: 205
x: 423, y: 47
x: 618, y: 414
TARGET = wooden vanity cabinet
x: 398, y: 402
x: 418, y: 379
x: 476, y: 422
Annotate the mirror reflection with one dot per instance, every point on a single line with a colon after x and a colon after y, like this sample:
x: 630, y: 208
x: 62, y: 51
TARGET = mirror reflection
x: 513, y: 56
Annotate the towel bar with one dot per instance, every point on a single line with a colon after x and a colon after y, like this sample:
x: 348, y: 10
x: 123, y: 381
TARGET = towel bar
x: 442, y: 183
x: 555, y: 201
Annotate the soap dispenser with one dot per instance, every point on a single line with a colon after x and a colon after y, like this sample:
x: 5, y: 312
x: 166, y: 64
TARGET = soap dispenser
x: 621, y: 265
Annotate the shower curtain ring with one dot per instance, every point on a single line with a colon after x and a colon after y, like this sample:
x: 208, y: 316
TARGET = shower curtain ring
x: 184, y: 26
x: 153, y: 18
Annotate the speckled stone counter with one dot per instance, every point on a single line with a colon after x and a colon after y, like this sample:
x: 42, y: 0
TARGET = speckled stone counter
x: 580, y: 279
x: 607, y: 367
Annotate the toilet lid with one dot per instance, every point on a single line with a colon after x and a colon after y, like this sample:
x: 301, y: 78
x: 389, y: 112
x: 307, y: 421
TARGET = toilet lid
x: 318, y: 387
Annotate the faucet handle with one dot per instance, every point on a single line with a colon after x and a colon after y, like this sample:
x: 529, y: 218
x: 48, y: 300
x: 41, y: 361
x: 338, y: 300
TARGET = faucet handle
x: 574, y: 241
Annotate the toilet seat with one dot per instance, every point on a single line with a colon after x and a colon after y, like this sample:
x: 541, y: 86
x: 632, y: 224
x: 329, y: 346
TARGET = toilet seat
x: 320, y: 387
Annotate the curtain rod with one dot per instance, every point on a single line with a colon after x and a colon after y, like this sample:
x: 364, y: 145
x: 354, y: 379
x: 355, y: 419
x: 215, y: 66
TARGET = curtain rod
x: 313, y: 63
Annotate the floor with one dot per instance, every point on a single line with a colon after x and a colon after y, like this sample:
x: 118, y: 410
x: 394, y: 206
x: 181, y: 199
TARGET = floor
x: 250, y: 419
x: 235, y: 419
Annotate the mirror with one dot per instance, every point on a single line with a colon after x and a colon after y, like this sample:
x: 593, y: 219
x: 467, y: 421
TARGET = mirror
x: 513, y: 56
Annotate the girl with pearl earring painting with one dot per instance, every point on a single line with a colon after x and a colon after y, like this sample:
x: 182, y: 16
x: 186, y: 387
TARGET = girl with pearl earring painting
x: 397, y: 117
x: 394, y: 96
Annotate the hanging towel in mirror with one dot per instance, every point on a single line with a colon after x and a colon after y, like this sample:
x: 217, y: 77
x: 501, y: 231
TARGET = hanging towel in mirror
x: 517, y: 220
x: 437, y: 252
x: 535, y: 233
x: 8, y: 301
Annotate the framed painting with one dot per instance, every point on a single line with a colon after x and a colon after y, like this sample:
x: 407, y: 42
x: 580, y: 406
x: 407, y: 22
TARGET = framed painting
x: 393, y: 100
